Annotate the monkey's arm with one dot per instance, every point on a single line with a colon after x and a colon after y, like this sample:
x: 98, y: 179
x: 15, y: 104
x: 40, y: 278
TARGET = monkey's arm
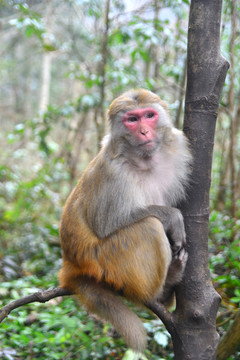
x: 171, y: 219
x: 109, y: 204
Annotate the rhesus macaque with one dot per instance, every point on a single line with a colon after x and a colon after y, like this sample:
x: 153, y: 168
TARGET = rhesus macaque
x: 120, y: 234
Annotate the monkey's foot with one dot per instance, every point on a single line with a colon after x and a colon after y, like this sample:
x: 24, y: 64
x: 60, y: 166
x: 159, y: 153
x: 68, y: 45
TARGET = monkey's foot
x: 177, y: 267
x: 179, y: 261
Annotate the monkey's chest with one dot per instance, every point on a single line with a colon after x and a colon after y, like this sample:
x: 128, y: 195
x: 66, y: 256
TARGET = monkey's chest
x: 156, y: 185
x: 153, y: 191
x: 150, y: 182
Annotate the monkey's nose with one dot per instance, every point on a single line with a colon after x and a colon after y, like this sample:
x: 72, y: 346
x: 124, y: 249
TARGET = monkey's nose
x: 144, y: 131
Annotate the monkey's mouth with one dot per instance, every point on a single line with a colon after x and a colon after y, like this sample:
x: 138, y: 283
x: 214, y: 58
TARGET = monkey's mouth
x: 148, y: 143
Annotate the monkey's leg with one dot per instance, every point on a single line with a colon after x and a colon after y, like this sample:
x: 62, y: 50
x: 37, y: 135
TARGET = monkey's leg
x: 174, y: 277
x: 101, y: 300
x: 133, y: 261
x: 136, y: 260
x: 171, y: 219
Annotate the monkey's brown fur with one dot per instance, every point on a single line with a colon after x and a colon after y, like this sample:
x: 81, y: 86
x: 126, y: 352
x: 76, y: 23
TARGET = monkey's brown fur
x: 126, y: 102
x: 125, y: 260
x: 105, y: 253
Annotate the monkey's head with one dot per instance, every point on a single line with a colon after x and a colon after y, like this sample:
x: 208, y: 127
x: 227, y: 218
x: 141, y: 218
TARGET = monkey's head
x: 139, y: 120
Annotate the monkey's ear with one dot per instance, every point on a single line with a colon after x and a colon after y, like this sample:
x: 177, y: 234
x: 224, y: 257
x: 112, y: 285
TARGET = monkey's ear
x: 164, y: 105
x: 113, y: 147
x: 105, y: 141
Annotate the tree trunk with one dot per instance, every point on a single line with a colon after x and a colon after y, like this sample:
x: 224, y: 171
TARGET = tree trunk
x: 46, y: 65
x: 194, y: 335
x: 181, y: 95
x: 156, y: 8
x: 46, y: 80
x: 101, y: 123
x: 238, y: 155
x: 231, y: 97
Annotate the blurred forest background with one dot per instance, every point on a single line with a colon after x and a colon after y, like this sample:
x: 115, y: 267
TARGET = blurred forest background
x: 62, y: 62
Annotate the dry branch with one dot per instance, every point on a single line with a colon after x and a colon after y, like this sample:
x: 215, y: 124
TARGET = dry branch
x: 39, y: 296
x: 163, y: 314
x: 46, y: 295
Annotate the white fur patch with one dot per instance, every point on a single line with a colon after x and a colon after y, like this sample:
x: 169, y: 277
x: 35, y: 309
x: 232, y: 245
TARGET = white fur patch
x: 160, y: 180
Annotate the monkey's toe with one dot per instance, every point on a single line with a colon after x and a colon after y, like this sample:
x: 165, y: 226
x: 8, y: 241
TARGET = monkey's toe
x: 180, y: 259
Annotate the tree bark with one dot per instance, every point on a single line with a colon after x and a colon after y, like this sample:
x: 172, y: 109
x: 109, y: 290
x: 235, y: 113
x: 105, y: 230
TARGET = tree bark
x: 194, y: 335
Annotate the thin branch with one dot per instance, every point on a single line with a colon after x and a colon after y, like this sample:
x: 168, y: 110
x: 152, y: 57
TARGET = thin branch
x: 39, y: 296
x: 164, y: 315
x: 46, y: 295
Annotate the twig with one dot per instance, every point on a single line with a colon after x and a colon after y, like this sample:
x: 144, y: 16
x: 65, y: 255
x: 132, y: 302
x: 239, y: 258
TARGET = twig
x: 163, y: 314
x: 46, y: 295
x: 39, y: 296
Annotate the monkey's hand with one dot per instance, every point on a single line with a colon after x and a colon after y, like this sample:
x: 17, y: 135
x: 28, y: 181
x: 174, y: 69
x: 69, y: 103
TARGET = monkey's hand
x: 171, y: 219
x: 173, y: 224
x: 176, y: 231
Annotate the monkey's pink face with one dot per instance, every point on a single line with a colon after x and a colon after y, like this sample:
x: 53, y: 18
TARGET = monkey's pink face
x: 142, y: 123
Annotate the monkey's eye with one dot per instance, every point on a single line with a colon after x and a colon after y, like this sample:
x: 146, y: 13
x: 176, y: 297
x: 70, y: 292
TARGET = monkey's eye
x: 132, y: 119
x: 150, y: 115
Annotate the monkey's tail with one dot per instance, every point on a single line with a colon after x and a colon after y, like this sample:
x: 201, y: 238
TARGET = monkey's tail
x: 109, y: 306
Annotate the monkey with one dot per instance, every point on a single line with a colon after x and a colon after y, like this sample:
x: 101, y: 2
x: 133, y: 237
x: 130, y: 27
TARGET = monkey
x: 121, y: 233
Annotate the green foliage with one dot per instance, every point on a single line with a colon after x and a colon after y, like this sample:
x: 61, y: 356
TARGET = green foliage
x: 225, y: 254
x: 60, y: 329
x: 28, y: 21
x: 57, y: 330
x: 30, y: 204
x: 225, y: 267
